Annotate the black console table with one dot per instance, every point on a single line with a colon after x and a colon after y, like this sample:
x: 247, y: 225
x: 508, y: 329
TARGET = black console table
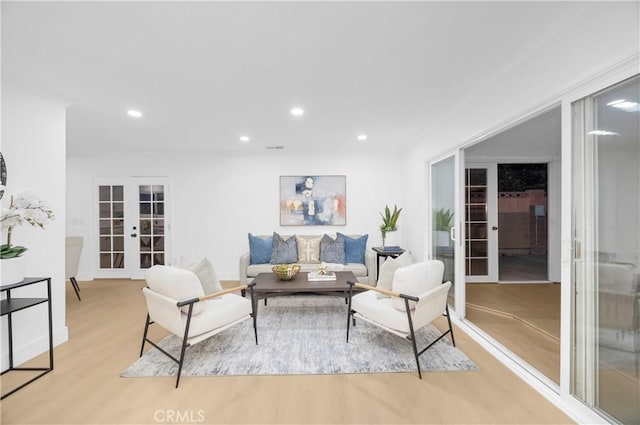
x: 384, y: 252
x: 10, y: 306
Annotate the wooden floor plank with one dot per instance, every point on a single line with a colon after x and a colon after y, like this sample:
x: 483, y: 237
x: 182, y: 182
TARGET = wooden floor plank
x: 105, y: 329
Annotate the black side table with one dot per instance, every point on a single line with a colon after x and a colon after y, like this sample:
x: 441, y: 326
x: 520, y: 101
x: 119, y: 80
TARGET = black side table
x: 386, y: 251
x: 10, y: 306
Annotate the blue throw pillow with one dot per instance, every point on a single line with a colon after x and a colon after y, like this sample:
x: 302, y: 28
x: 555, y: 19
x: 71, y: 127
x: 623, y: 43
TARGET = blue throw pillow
x: 260, y: 249
x: 284, y: 251
x: 332, y: 250
x: 354, y: 249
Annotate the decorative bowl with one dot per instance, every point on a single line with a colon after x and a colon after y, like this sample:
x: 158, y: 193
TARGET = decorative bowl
x: 286, y: 271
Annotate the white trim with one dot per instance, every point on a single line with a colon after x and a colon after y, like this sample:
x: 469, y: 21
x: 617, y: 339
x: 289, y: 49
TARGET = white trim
x: 566, y: 250
x: 35, y: 347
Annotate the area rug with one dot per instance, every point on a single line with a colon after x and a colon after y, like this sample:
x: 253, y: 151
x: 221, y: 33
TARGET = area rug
x: 302, y: 334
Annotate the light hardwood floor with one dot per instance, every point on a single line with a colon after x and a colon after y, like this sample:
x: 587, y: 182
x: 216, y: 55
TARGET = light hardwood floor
x: 525, y: 318
x: 105, y: 330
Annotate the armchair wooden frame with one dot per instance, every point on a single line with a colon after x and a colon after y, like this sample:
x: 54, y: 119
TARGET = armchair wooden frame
x: 351, y: 317
x: 188, y: 341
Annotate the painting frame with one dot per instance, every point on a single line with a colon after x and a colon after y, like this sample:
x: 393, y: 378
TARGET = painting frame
x: 313, y: 200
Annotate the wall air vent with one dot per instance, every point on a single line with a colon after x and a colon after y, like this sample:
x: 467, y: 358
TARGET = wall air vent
x: 274, y: 147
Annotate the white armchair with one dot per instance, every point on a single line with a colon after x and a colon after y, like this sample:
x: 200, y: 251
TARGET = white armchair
x: 176, y: 301
x: 417, y: 298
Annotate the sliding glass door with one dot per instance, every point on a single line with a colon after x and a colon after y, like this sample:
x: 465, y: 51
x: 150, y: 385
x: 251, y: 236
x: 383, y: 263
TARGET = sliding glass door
x: 606, y: 259
x: 446, y: 231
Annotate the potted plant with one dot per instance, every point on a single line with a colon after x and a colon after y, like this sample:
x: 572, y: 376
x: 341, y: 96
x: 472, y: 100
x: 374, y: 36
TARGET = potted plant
x: 389, y: 221
x: 442, y: 223
x: 23, y: 208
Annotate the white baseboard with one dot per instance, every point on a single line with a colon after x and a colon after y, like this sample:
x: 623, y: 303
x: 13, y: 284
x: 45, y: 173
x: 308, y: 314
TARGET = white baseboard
x: 34, y: 348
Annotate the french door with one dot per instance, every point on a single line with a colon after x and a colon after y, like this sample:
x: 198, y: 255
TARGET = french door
x: 132, y: 231
x: 481, y: 223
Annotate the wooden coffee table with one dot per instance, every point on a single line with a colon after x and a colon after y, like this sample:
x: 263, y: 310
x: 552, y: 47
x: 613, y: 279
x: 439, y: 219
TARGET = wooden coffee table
x: 268, y: 285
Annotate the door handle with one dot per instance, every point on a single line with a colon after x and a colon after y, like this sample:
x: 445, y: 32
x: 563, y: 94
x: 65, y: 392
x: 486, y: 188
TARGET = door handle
x: 452, y: 233
x: 133, y: 235
x: 494, y: 228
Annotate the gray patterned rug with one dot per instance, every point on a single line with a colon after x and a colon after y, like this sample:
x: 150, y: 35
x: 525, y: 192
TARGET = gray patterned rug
x: 302, y: 335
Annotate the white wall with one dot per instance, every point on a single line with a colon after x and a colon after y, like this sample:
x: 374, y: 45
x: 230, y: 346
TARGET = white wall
x: 33, y: 145
x: 217, y: 199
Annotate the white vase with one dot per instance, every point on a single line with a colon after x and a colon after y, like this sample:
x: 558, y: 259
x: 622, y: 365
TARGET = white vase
x: 12, y: 270
x: 392, y: 239
x: 443, y: 238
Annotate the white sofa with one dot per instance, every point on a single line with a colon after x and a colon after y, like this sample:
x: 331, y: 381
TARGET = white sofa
x: 365, y: 273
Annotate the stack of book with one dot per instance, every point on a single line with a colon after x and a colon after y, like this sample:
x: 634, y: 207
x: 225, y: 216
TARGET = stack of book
x: 317, y: 277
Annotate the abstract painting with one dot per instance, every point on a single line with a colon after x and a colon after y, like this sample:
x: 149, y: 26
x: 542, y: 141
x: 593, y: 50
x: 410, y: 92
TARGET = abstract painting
x: 313, y: 201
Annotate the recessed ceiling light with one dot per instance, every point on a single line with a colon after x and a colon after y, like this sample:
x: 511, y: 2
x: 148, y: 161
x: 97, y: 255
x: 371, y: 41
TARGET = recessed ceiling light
x: 362, y: 137
x: 297, y: 112
x: 244, y: 139
x: 622, y: 104
x: 134, y: 113
x: 603, y: 133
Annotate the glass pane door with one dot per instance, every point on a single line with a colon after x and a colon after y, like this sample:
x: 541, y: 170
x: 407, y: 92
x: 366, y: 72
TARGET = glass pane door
x: 606, y: 279
x: 152, y: 225
x: 480, y: 219
x: 111, y: 227
x: 445, y: 231
x: 132, y: 226
x: 476, y: 222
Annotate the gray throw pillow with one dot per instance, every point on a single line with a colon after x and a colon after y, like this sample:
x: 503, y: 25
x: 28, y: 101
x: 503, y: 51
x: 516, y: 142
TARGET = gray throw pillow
x: 332, y: 250
x: 284, y: 251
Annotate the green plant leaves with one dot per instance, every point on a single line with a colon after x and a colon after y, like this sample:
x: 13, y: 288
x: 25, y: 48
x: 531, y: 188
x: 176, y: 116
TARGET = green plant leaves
x: 443, y: 219
x: 7, y: 251
x: 390, y: 219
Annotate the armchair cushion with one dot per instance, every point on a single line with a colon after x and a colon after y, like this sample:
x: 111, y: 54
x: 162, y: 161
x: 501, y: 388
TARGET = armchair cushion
x: 380, y: 311
x: 177, y: 284
x: 388, y: 269
x: 205, y: 272
x: 332, y: 250
x: 260, y: 249
x: 215, y: 314
x: 354, y: 249
x: 284, y: 251
x: 415, y: 280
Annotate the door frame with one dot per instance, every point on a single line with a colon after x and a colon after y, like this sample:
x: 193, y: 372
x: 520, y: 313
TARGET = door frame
x: 492, y: 220
x: 458, y: 231
x: 553, y: 212
x: 131, y: 219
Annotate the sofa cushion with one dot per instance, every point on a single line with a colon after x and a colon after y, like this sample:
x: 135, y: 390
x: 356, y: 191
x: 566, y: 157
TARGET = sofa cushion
x: 260, y: 249
x: 308, y: 249
x: 284, y: 251
x: 332, y: 250
x: 354, y: 248
x: 176, y: 283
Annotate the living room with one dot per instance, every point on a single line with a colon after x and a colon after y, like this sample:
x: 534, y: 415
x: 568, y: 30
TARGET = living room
x: 420, y: 107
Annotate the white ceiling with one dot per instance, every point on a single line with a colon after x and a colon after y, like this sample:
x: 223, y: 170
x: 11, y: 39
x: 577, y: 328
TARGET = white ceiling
x: 538, y: 137
x: 204, y: 73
